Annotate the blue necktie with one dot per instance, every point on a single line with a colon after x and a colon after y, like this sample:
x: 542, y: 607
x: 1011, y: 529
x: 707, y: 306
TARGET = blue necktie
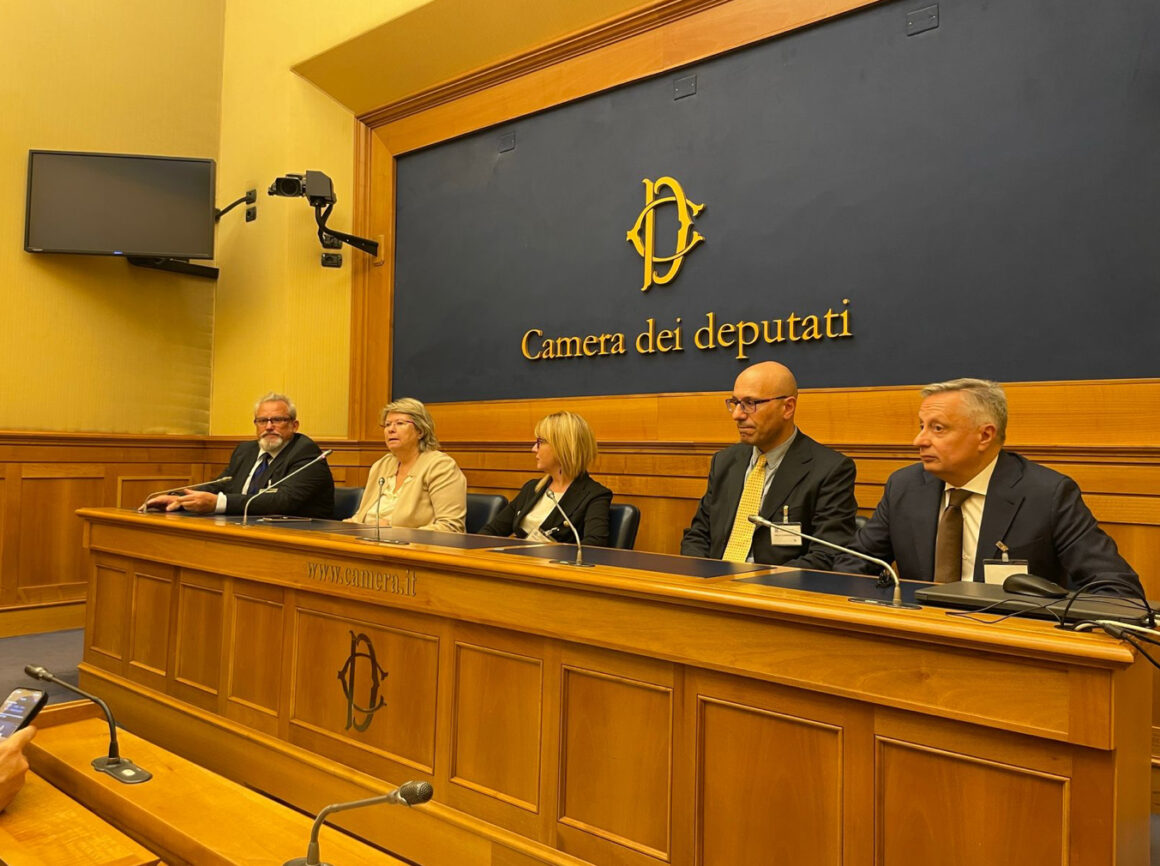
x: 256, y: 478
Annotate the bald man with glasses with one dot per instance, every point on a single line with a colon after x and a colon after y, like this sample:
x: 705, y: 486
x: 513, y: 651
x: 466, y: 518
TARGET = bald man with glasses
x: 775, y: 471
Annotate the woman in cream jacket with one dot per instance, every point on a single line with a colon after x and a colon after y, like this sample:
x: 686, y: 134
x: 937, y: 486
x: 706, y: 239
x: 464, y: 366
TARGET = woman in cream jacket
x: 415, y: 486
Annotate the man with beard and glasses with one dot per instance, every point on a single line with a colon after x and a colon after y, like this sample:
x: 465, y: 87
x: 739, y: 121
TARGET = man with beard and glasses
x: 278, y: 451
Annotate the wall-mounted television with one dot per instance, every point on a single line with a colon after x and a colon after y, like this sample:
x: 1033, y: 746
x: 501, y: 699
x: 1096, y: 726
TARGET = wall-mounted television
x: 116, y: 204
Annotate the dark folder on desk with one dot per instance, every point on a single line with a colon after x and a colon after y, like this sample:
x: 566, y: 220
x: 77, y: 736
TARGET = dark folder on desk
x: 975, y: 596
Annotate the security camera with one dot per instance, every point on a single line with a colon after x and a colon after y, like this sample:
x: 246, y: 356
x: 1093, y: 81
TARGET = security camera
x: 289, y: 185
x: 315, y: 185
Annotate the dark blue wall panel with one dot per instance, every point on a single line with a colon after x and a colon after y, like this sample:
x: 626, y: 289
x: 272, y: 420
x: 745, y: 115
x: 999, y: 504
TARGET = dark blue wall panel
x: 986, y: 194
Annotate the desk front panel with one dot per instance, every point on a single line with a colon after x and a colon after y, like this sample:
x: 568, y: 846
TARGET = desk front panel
x: 606, y: 716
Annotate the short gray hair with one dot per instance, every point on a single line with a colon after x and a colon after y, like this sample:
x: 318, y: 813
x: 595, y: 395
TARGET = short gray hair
x: 986, y: 401
x: 418, y: 413
x: 274, y: 397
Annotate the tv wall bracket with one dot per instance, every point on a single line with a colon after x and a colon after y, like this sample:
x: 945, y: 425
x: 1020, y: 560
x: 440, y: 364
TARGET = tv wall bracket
x: 176, y: 266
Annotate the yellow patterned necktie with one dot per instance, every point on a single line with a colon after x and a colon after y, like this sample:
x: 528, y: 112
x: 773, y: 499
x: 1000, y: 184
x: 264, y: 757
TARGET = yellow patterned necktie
x: 741, y: 538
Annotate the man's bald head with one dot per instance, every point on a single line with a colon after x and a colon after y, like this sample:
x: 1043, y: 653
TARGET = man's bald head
x: 772, y: 390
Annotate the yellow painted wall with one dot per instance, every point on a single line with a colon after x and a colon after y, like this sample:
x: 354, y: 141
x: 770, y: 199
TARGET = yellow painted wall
x: 90, y: 343
x: 283, y: 321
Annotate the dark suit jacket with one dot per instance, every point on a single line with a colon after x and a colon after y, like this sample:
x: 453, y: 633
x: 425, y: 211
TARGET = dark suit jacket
x: 585, y: 502
x: 307, y: 494
x: 1037, y: 512
x: 816, y: 482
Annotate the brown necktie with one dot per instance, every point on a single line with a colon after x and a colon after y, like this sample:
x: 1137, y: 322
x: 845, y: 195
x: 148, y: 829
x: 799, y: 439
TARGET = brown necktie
x: 741, y: 538
x: 948, y: 548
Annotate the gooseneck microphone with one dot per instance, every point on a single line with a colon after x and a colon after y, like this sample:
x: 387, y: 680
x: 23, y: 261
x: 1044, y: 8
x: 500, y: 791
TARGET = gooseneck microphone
x: 407, y: 794
x: 378, y: 505
x: 579, y: 561
x: 121, y: 769
x: 272, y: 488
x: 895, y: 602
x: 173, y: 491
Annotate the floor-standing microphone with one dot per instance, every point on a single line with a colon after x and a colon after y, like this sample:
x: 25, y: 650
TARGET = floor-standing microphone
x: 579, y: 547
x: 896, y: 601
x: 121, y: 769
x: 173, y: 491
x: 271, y: 488
x: 407, y: 794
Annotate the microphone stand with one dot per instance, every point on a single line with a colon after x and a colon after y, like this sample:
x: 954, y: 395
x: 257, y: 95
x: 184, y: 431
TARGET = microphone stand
x: 407, y: 794
x: 271, y: 489
x: 121, y: 769
x: 378, y: 504
x: 895, y: 602
x: 174, y: 491
x: 579, y: 562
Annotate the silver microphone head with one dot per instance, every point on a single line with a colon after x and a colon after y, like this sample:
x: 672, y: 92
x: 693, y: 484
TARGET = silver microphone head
x: 414, y: 793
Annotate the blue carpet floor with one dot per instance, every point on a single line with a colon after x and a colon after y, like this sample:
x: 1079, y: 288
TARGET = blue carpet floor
x: 58, y: 652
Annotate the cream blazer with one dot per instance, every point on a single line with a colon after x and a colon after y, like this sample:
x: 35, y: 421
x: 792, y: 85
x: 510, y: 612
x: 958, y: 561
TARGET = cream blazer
x: 434, y: 496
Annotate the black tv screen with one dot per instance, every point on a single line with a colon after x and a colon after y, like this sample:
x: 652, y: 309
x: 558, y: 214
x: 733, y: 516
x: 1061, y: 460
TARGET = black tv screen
x: 119, y: 205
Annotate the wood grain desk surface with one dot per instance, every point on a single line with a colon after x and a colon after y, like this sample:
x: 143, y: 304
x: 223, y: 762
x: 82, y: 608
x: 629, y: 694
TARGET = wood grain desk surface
x: 185, y: 812
x: 45, y: 827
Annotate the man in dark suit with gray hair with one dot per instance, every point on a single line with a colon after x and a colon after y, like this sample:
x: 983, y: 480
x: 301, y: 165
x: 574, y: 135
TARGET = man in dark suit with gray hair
x: 969, y: 500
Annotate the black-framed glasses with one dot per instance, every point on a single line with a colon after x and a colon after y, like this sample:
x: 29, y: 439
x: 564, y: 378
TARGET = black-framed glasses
x: 277, y: 420
x: 750, y: 406
x: 539, y: 442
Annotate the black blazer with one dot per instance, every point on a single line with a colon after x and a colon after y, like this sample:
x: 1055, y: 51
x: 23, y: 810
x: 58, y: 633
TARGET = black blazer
x: 1037, y: 512
x: 816, y: 482
x: 585, y: 502
x: 307, y: 494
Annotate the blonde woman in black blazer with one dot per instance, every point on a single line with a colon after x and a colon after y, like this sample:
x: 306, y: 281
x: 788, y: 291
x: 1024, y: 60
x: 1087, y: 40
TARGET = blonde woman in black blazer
x: 564, y: 449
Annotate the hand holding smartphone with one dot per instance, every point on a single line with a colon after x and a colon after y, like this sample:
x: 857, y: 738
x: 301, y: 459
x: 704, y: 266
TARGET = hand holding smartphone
x: 19, y: 709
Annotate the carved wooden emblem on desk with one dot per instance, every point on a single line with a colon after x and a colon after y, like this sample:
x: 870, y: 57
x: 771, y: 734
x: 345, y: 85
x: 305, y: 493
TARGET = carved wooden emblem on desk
x: 348, y: 675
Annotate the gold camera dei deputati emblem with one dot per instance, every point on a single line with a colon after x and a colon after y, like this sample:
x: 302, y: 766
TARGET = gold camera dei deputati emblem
x: 686, y: 212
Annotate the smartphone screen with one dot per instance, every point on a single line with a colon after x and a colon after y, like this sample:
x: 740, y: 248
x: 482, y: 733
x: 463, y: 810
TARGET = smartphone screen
x: 18, y: 709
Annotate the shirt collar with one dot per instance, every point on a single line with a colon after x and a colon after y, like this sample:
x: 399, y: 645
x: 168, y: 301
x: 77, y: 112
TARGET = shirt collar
x: 982, y: 481
x: 775, y: 454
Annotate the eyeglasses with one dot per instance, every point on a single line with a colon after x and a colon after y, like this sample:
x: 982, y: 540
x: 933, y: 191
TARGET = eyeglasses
x: 276, y: 420
x: 539, y: 442
x: 392, y: 425
x: 750, y: 406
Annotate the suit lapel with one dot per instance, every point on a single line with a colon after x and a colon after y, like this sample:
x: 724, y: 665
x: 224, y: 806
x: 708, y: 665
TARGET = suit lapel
x: 732, y: 480
x: 792, y: 470
x: 999, y: 510
x: 924, y: 512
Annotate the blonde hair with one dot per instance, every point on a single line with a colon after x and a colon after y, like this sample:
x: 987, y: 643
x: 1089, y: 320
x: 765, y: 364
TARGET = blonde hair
x: 572, y: 440
x: 418, y: 413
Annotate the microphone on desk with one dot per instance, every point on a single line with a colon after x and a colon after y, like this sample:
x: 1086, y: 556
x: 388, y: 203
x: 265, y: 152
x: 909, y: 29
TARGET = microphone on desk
x: 895, y: 602
x: 407, y: 794
x: 579, y: 547
x: 121, y: 769
x: 378, y: 505
x: 173, y: 491
x: 274, y: 489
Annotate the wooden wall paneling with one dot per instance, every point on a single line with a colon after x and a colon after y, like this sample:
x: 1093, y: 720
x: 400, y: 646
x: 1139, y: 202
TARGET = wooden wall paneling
x: 52, y: 568
x: 255, y: 674
x: 616, y: 757
x: 131, y: 489
x: 198, y: 645
x: 499, y: 765
x: 9, y: 534
x: 389, y: 665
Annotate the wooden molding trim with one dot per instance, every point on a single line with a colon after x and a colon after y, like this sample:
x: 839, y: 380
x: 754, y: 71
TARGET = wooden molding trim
x: 591, y: 39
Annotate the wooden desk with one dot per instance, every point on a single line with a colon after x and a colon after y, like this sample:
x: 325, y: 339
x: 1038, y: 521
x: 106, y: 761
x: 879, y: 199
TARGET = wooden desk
x: 614, y: 715
x: 187, y: 813
x: 45, y: 827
